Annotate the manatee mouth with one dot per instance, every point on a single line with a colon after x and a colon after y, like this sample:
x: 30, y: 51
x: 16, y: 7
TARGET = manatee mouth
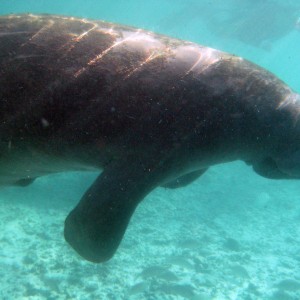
x: 285, y: 166
x: 267, y: 168
x: 290, y: 164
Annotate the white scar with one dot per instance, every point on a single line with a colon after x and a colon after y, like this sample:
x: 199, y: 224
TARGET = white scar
x: 293, y: 100
x: 42, y: 30
x: 151, y: 57
x: 71, y: 45
x: 290, y: 99
x: 116, y: 44
x: 78, y: 38
x: 98, y: 57
x: 207, y: 57
x: 195, y: 64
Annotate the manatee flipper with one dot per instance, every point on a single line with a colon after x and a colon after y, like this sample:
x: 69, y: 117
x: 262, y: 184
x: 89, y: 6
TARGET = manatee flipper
x: 185, y: 180
x: 95, y: 227
x: 24, y: 182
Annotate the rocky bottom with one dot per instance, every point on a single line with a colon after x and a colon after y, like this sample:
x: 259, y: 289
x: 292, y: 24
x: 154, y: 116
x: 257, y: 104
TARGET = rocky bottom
x: 229, y: 235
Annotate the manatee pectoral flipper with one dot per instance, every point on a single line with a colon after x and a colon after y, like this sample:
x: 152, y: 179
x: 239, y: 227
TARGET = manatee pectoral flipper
x: 95, y: 227
x: 184, y: 180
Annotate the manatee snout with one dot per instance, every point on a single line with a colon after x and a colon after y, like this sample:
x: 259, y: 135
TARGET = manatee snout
x: 289, y: 164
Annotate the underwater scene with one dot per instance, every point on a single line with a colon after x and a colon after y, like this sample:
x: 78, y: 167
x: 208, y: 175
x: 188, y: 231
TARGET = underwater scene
x: 217, y: 233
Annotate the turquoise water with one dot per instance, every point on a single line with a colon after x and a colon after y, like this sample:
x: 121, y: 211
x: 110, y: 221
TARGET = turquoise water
x: 229, y: 235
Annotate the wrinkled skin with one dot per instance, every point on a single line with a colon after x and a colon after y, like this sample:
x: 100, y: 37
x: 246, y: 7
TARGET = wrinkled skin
x: 146, y: 109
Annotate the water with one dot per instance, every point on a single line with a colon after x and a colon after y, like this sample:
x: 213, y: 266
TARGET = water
x: 229, y: 235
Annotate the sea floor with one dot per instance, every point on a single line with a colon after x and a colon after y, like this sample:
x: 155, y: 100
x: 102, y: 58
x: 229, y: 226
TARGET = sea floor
x: 229, y: 235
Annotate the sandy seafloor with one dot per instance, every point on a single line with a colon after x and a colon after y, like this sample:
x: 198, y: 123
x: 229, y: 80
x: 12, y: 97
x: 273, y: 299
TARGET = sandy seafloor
x: 229, y: 235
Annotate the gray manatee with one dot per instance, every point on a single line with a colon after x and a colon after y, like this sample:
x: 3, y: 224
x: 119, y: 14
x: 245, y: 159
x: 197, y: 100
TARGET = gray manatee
x: 148, y: 110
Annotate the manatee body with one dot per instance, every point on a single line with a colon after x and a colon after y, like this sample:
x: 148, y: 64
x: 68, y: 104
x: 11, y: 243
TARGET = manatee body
x: 146, y: 109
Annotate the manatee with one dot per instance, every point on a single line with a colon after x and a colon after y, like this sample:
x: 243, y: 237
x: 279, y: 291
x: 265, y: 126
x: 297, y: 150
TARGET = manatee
x: 145, y: 109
